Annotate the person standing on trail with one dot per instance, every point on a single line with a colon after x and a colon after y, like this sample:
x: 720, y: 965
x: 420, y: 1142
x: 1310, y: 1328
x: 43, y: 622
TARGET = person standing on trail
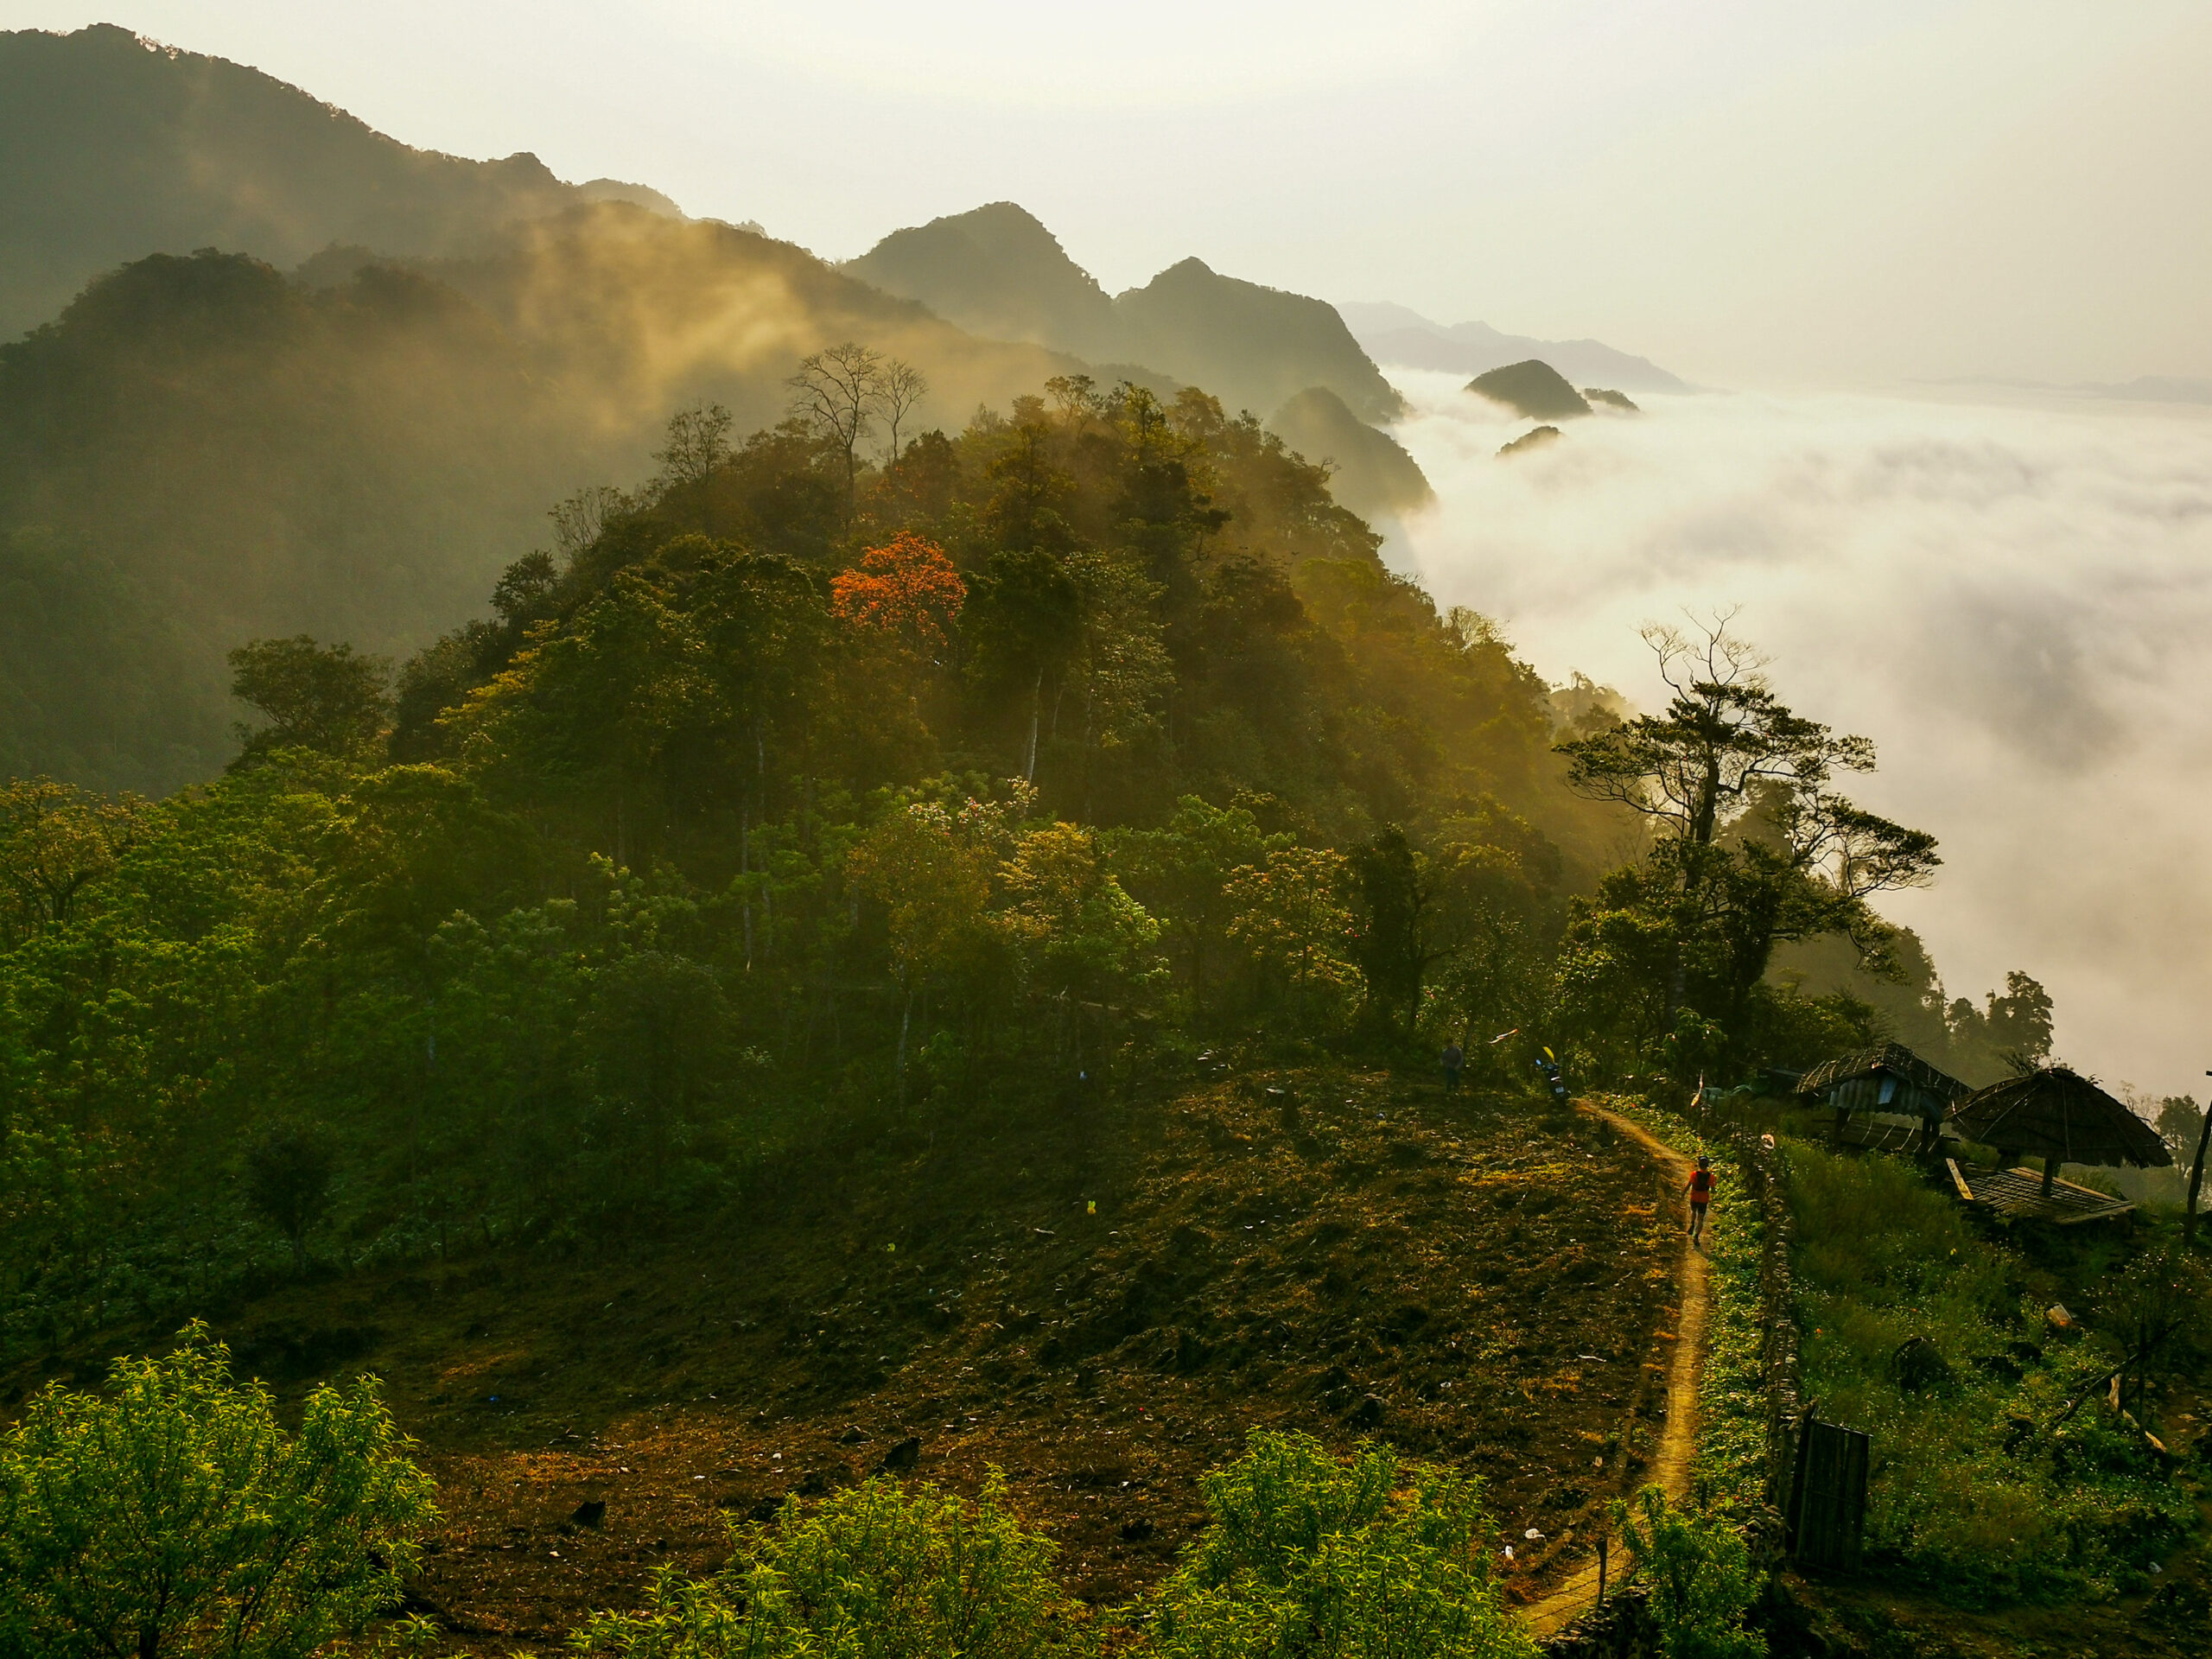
x: 1700, y: 1187
x: 1453, y: 1060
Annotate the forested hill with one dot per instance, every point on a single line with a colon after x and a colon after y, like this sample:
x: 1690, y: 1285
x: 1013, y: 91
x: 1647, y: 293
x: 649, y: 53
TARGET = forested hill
x: 998, y: 272
x: 795, y: 785
x: 113, y: 148
x: 200, y: 450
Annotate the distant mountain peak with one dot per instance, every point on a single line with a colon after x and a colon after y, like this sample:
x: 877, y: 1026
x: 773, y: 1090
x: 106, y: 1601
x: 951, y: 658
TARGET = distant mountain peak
x: 1532, y: 388
x: 996, y: 270
x: 1398, y: 335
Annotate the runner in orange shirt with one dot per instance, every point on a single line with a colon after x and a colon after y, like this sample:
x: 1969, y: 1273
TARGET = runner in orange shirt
x: 1700, y: 1187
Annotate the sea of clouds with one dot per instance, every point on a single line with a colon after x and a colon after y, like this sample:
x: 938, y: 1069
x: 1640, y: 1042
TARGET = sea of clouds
x: 2011, y: 597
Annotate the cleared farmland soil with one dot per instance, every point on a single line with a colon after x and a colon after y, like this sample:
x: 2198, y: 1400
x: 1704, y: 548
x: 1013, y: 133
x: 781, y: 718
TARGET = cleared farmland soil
x: 1101, y: 1310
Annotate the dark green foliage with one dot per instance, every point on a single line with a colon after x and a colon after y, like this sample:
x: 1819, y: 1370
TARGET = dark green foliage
x: 172, y: 1518
x: 1394, y: 901
x: 288, y: 1172
x: 881, y: 1572
x: 314, y: 697
x: 1753, y: 849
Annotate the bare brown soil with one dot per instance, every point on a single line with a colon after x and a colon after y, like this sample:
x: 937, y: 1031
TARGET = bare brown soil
x: 1475, y: 1286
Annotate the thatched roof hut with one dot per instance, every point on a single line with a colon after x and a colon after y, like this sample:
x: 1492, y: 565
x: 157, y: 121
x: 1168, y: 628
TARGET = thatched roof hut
x: 2061, y: 1117
x: 1888, y: 1079
x: 1898, y: 1079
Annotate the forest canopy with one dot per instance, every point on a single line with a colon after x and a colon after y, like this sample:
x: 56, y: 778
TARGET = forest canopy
x: 830, y: 777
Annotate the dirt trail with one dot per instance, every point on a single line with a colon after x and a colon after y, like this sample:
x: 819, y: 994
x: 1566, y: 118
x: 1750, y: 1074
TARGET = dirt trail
x: 1670, y: 1466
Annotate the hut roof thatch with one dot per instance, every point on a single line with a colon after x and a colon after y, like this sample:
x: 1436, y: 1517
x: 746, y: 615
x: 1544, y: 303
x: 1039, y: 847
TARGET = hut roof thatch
x: 1894, y: 1058
x: 2056, y: 1113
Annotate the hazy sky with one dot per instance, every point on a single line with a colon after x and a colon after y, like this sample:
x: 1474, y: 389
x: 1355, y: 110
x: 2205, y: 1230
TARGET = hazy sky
x: 2009, y: 595
x: 1814, y: 192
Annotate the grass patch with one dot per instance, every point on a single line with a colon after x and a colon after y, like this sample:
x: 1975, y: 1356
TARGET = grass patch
x: 1969, y: 1490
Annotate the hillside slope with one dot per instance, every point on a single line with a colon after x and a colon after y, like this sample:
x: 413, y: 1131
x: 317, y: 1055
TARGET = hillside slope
x: 1475, y: 1288
x: 1372, y: 474
x: 112, y: 147
x: 199, y: 452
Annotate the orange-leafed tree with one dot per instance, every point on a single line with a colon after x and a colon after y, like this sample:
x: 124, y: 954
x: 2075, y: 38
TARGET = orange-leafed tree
x: 905, y: 592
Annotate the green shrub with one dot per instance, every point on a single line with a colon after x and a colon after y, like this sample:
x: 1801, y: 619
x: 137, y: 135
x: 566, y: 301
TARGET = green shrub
x: 1309, y: 1556
x: 173, y: 1518
x: 1699, y: 1575
x: 875, y: 1573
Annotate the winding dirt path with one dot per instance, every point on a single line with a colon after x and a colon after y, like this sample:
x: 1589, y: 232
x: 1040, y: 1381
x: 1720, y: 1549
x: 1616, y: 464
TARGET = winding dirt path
x: 1670, y: 1465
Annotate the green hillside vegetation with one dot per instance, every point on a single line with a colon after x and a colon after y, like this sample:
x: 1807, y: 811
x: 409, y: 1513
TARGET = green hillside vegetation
x: 1600, y: 398
x: 1095, y: 722
x: 1369, y: 470
x: 113, y: 148
x: 1534, y: 389
x: 996, y: 271
x: 866, y: 862
x: 199, y: 451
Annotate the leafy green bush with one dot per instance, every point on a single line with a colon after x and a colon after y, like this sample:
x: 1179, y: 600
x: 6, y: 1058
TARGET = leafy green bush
x: 1310, y: 1556
x: 173, y: 1517
x: 1699, y: 1575
x: 875, y: 1573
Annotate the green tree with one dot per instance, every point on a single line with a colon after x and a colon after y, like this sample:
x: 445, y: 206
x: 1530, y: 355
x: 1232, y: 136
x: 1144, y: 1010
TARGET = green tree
x: 1292, y: 918
x: 55, y: 839
x: 1700, y: 1572
x: 1307, y: 1555
x: 314, y: 696
x: 1755, y: 844
x: 875, y: 1573
x: 1392, y: 942
x: 288, y: 1172
x: 1024, y: 626
x: 172, y: 1518
x: 657, y: 1035
x: 1189, y: 862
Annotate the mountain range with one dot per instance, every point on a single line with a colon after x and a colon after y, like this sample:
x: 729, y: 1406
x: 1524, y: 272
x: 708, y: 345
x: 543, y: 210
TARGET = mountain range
x: 112, y: 147
x: 996, y: 270
x: 284, y: 373
x: 1394, y: 334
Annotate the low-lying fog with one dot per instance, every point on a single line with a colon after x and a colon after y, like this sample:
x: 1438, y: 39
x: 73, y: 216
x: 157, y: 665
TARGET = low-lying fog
x: 2013, y: 599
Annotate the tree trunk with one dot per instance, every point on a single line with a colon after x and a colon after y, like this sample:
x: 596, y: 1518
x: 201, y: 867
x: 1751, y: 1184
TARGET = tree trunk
x: 2050, y: 1173
x: 1036, y: 713
x: 905, y: 1019
x: 2197, y: 1178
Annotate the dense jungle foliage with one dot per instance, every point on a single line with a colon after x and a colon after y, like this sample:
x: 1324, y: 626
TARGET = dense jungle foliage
x: 799, y: 788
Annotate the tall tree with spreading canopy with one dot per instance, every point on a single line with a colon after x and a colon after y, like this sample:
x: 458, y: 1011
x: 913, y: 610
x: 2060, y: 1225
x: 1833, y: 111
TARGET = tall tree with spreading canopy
x: 1755, y: 844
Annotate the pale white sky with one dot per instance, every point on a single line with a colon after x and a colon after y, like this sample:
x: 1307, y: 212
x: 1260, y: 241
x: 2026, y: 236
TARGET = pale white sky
x: 1816, y: 192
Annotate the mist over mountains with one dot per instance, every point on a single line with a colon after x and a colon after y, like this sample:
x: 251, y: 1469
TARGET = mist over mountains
x: 287, y: 374
x: 1393, y: 333
x: 111, y: 148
